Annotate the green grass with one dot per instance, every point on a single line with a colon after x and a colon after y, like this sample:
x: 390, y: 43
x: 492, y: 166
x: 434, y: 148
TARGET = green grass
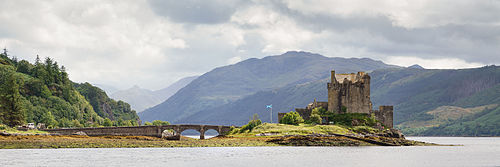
x: 283, y: 129
x: 5, y: 128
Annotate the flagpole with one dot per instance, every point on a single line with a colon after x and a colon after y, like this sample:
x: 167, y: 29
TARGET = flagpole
x: 271, y: 114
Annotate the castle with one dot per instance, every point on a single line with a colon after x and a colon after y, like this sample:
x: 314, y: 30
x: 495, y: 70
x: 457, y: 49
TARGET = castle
x: 349, y: 93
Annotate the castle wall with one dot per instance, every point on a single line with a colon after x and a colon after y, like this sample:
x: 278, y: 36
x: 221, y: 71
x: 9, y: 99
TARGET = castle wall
x: 304, y: 113
x: 385, y: 116
x: 280, y: 115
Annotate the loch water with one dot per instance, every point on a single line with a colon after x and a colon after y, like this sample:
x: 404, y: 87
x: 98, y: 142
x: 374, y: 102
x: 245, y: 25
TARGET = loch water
x: 474, y: 151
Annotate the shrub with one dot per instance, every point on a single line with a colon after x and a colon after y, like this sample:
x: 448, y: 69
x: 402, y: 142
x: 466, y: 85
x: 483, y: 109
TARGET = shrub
x: 344, y: 109
x: 160, y: 123
x: 254, y: 122
x: 292, y: 118
x: 315, y: 119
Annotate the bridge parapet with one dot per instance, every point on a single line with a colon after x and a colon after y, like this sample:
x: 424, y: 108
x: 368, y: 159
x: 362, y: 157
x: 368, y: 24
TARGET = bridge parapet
x: 155, y: 131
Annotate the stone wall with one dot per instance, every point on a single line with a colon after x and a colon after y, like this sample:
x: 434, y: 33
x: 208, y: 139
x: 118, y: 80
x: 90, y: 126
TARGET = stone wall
x: 113, y: 131
x: 304, y: 113
x: 385, y: 116
x: 280, y: 115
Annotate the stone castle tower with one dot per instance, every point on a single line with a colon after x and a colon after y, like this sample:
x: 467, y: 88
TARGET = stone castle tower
x: 349, y: 92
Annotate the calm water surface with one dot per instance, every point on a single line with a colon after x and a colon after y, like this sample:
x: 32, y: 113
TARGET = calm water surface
x: 476, y: 151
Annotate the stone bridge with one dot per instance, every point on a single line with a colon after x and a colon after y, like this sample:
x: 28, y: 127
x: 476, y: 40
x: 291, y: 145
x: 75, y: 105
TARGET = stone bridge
x: 156, y: 131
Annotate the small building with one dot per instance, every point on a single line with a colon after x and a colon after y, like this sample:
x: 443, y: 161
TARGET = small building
x: 349, y: 93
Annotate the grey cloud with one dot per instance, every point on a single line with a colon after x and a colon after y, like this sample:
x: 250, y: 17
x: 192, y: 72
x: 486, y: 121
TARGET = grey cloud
x: 474, y: 42
x: 196, y: 11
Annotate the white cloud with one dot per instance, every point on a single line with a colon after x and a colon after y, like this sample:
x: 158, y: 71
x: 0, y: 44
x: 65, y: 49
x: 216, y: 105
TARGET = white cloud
x: 97, y: 41
x: 280, y: 33
x: 234, y: 60
x: 444, y: 63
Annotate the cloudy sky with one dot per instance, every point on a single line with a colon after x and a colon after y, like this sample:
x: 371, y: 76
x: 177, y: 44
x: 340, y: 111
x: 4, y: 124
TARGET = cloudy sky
x: 154, y: 43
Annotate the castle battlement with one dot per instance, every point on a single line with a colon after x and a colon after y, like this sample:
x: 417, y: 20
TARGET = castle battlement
x: 352, y: 77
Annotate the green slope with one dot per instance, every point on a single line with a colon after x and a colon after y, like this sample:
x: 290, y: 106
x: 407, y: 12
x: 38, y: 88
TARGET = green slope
x: 46, y: 95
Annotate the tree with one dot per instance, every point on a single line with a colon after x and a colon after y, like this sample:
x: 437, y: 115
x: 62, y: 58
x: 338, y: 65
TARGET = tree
x: 292, y: 118
x: 76, y: 123
x: 48, y: 119
x: 24, y: 67
x: 160, y: 123
x: 107, y: 122
x: 11, y: 107
x: 148, y: 123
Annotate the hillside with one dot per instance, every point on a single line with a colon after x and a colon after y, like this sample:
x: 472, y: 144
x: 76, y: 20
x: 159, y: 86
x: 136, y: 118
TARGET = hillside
x: 413, y: 92
x: 43, y: 93
x: 141, y: 99
x: 427, y: 102
x: 230, y: 83
x: 283, y: 100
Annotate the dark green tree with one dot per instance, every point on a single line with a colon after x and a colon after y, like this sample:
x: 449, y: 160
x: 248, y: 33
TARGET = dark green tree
x: 11, y: 107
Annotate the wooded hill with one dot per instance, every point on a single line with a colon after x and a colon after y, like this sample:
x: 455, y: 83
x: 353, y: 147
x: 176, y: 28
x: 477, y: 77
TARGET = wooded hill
x: 42, y: 93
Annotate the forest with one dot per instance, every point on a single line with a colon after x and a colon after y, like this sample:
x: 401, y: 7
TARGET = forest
x: 43, y: 93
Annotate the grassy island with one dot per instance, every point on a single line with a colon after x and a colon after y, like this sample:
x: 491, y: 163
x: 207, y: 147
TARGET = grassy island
x: 260, y: 135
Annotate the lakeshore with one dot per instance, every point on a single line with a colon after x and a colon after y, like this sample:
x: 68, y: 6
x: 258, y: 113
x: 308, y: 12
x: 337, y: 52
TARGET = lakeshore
x: 262, y: 135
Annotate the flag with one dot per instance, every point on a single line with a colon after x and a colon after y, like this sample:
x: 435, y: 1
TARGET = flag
x: 269, y: 106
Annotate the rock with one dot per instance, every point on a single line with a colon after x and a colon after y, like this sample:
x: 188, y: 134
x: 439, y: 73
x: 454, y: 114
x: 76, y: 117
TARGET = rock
x: 267, y: 134
x: 393, y: 133
x: 397, y: 134
x: 80, y: 133
x: 4, y: 134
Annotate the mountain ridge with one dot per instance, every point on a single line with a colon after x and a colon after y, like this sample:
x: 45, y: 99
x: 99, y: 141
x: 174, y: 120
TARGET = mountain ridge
x: 141, y: 99
x: 229, y: 83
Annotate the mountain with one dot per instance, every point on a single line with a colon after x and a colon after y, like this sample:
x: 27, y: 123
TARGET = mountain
x: 416, y: 91
x: 165, y: 93
x: 107, y: 88
x: 283, y: 100
x: 137, y: 97
x: 427, y: 102
x: 416, y: 66
x: 227, y: 84
x: 42, y: 93
x: 141, y: 99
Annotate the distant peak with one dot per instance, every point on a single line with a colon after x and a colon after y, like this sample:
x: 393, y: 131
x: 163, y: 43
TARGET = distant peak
x: 416, y: 66
x: 135, y: 87
x: 300, y: 53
